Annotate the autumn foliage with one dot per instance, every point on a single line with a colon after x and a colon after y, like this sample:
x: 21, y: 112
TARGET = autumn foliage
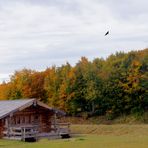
x: 113, y: 86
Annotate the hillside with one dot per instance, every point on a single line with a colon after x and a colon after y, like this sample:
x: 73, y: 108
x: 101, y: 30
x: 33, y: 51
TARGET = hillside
x: 110, y: 87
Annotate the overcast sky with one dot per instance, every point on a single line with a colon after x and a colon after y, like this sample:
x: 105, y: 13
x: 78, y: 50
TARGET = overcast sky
x: 39, y: 33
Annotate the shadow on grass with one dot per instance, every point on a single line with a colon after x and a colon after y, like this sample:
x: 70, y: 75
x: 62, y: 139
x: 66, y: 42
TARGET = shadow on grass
x: 78, y: 137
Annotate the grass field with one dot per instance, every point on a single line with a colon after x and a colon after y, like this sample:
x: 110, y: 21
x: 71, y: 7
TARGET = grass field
x: 95, y: 136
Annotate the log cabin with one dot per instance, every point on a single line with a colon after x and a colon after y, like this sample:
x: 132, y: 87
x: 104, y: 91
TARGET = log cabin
x: 30, y: 119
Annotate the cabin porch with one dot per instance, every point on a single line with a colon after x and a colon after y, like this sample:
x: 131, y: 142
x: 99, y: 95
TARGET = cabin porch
x: 28, y: 132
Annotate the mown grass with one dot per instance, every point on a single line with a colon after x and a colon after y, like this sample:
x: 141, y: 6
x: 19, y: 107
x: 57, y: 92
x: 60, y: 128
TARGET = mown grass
x: 115, y: 129
x: 100, y: 136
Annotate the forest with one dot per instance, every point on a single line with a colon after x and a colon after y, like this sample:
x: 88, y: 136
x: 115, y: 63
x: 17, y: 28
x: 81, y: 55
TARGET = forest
x: 113, y: 86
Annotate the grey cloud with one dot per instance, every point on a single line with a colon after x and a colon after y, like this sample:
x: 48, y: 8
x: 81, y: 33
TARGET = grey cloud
x: 39, y: 33
x: 127, y: 9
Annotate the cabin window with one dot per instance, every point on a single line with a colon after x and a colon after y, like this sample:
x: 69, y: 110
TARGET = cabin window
x: 32, y: 119
x: 18, y: 120
x: 26, y: 119
x: 23, y: 119
x: 29, y: 119
x: 36, y: 117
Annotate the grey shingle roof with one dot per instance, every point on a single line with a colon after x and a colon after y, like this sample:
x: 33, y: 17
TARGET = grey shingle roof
x: 9, y: 106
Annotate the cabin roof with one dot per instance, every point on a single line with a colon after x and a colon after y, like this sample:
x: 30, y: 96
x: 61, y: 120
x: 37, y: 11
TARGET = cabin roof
x: 9, y: 107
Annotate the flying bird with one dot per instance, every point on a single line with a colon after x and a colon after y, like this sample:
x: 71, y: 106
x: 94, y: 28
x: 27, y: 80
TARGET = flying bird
x: 106, y: 33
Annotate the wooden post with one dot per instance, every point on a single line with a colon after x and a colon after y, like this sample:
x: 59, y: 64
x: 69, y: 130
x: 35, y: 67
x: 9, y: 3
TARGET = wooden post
x: 10, y: 125
x: 36, y: 132
x: 56, y: 125
x: 23, y: 133
x: 7, y: 127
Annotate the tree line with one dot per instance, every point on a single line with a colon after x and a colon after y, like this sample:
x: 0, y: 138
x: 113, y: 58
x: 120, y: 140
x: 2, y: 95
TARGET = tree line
x: 113, y: 86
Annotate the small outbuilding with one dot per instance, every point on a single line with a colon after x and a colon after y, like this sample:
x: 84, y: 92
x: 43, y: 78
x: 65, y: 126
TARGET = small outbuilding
x: 30, y: 120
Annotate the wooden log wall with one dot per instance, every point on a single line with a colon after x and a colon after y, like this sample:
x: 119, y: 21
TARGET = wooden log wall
x: 45, y: 123
x: 34, y: 115
x: 1, y: 128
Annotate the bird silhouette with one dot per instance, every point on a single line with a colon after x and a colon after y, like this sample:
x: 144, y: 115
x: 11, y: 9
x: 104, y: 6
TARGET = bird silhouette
x: 106, y: 33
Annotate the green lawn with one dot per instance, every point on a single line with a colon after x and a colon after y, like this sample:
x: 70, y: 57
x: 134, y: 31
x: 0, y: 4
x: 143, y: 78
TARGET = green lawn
x: 111, y: 136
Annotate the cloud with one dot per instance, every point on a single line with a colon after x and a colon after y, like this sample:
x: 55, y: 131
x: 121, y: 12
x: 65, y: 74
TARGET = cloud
x: 37, y: 34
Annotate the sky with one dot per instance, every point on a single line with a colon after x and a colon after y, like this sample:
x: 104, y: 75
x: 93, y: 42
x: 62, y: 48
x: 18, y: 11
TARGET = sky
x: 37, y: 34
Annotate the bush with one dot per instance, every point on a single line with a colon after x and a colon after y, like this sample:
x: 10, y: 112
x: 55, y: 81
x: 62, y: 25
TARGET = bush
x: 137, y: 112
x: 110, y: 115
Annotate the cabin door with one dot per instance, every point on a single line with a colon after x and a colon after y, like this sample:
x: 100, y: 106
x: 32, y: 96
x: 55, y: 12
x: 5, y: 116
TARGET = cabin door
x: 36, y: 119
